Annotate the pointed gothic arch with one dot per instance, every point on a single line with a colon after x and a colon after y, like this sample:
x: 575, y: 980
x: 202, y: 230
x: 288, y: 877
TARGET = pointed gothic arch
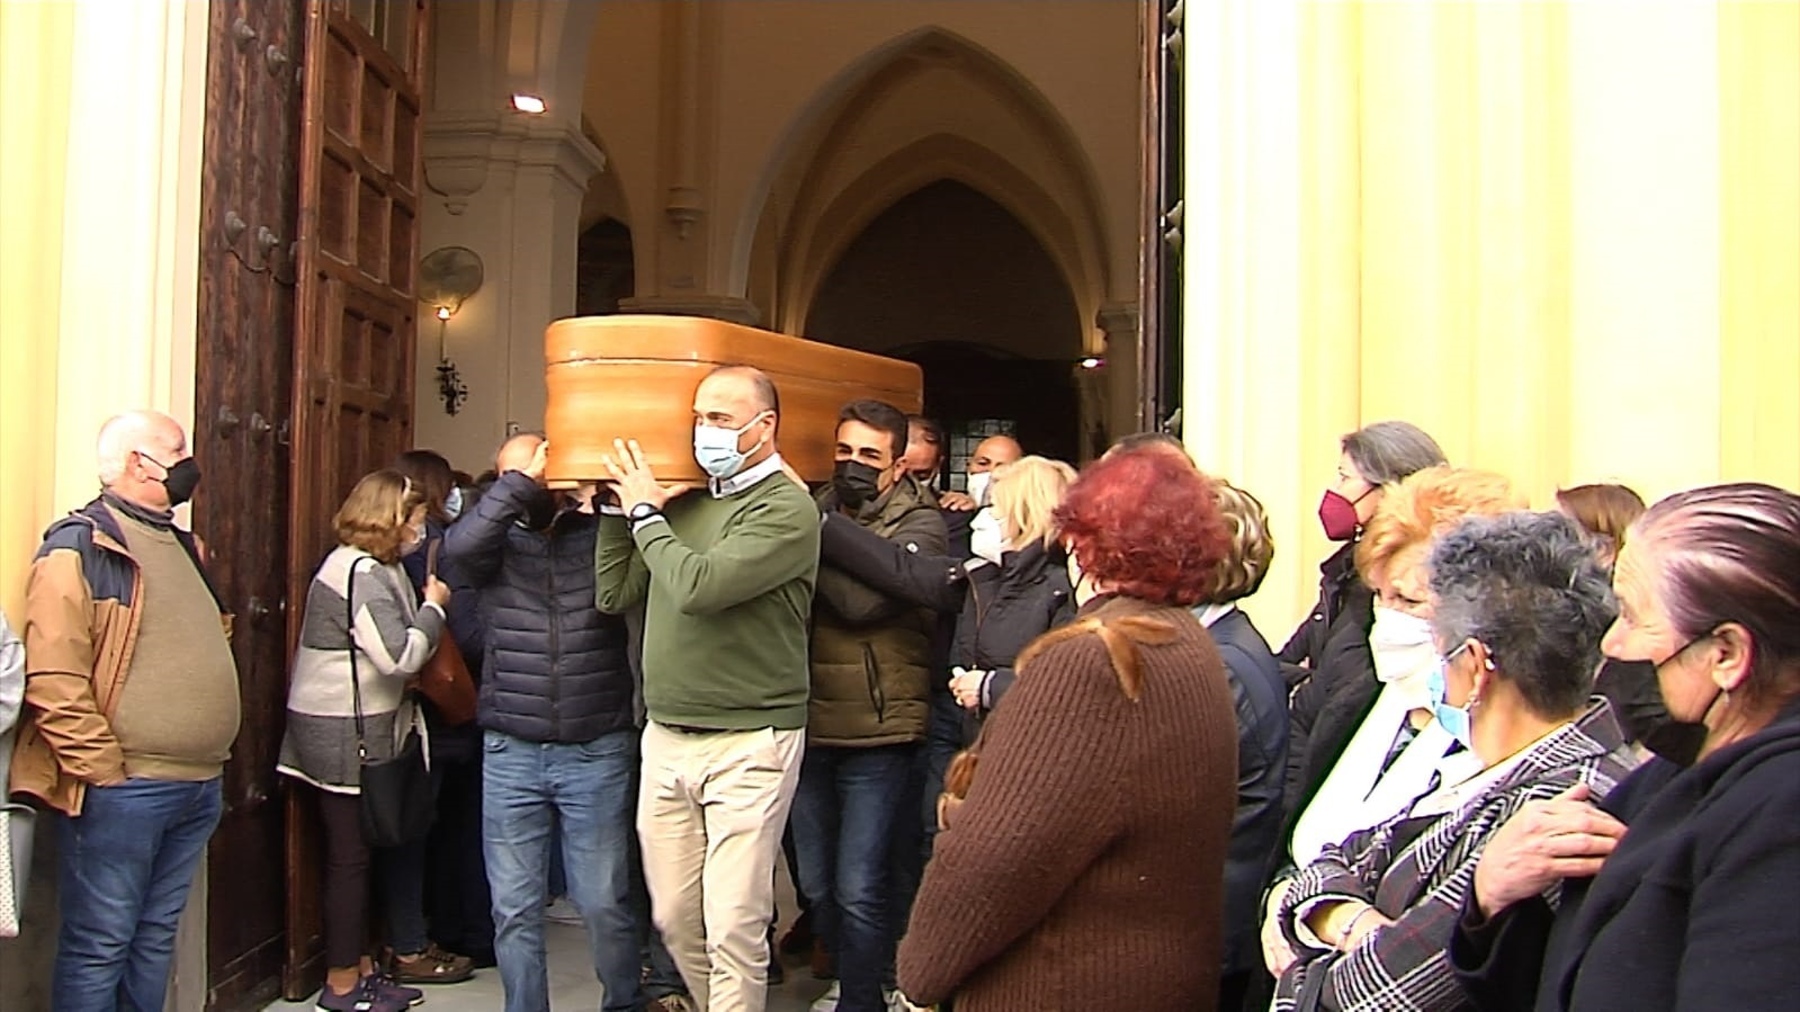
x: 928, y: 105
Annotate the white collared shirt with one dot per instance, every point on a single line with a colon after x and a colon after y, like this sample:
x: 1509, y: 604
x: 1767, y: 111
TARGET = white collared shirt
x: 1208, y: 614
x: 723, y: 488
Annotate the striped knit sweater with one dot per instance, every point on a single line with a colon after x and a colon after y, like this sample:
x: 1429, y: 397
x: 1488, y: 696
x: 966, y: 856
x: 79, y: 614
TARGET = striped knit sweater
x: 1085, y: 868
x: 393, y: 639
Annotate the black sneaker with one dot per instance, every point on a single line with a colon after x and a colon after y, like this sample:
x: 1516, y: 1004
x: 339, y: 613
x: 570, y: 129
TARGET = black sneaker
x: 362, y: 998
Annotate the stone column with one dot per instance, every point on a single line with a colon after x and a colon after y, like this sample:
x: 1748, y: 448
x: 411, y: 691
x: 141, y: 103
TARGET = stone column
x: 1118, y: 321
x: 508, y: 187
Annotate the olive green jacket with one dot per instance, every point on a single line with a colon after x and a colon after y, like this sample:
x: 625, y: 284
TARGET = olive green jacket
x: 871, y: 654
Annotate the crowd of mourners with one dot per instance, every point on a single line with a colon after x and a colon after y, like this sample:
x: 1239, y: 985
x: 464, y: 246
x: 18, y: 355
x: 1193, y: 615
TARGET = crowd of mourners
x: 1017, y: 745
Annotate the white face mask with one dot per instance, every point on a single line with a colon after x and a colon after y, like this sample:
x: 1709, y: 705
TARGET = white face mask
x: 453, y: 503
x: 1404, y: 655
x: 978, y: 487
x: 986, y: 539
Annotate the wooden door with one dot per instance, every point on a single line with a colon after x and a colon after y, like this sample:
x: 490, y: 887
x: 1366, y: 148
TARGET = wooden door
x: 355, y: 321
x: 1160, y: 213
x: 242, y: 405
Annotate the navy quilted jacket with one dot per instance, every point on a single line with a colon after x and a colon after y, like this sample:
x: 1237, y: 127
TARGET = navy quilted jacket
x: 554, y: 668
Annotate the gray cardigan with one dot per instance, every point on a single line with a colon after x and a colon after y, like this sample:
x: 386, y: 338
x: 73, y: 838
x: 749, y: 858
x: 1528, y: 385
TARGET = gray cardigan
x: 392, y: 638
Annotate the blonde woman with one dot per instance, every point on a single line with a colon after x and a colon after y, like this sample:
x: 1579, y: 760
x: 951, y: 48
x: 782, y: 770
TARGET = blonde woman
x: 1018, y: 582
x: 361, y: 602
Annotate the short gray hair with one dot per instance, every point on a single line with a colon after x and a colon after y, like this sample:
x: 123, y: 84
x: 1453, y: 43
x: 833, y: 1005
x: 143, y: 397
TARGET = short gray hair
x: 1385, y: 452
x: 121, y: 436
x: 1527, y: 586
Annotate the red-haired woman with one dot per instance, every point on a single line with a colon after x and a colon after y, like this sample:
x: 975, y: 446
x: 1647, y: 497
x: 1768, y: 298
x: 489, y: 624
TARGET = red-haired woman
x: 1085, y: 866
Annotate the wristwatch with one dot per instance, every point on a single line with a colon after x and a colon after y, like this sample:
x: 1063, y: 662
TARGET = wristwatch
x: 642, y: 512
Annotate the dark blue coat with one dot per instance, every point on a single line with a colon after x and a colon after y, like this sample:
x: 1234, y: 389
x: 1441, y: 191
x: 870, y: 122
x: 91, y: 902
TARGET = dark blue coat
x: 1260, y: 695
x: 553, y: 667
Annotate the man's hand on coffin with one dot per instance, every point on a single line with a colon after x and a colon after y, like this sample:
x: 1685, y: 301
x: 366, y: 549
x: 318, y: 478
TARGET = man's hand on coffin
x: 540, y: 459
x: 632, y: 479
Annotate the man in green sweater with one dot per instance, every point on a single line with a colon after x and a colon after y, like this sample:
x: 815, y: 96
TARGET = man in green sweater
x: 726, y: 577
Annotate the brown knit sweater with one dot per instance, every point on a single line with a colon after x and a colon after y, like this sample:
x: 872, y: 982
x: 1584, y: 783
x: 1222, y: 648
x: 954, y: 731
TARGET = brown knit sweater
x: 1085, y: 870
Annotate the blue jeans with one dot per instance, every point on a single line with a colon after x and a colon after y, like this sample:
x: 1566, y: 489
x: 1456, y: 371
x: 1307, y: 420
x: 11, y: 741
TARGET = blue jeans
x: 845, y: 811
x: 591, y: 790
x: 128, y: 861
x: 943, y: 739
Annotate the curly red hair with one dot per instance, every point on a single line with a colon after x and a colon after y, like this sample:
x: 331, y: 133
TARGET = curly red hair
x: 1148, y: 525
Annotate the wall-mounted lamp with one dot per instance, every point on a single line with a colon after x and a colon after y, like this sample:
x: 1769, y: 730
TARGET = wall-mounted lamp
x: 448, y: 277
x: 531, y: 105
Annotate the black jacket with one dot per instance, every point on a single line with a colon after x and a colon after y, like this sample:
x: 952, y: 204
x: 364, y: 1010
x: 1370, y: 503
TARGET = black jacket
x: 1328, y: 707
x: 1341, y: 593
x: 1261, y: 699
x: 1007, y: 607
x: 1693, y: 911
x: 463, y: 616
x: 554, y: 668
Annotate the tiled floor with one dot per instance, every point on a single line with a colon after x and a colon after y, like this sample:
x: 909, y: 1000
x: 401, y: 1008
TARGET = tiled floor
x: 572, y: 984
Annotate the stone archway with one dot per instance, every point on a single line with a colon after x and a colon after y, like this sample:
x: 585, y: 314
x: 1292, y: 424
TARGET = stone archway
x: 953, y: 280
x: 928, y: 105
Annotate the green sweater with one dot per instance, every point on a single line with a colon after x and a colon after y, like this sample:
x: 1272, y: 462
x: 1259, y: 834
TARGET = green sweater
x: 727, y: 586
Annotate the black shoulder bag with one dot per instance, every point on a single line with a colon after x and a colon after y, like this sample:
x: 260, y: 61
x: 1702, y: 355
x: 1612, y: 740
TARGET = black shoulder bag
x: 396, y: 793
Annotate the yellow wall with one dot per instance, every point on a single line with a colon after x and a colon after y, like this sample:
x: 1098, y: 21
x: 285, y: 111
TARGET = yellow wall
x: 34, y: 61
x: 1562, y: 237
x: 98, y: 266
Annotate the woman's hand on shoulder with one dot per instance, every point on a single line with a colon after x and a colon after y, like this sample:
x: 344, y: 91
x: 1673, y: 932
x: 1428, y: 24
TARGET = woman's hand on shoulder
x: 1544, y: 843
x: 1278, y: 955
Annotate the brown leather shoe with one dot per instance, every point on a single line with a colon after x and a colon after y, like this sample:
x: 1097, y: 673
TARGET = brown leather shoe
x: 433, y: 966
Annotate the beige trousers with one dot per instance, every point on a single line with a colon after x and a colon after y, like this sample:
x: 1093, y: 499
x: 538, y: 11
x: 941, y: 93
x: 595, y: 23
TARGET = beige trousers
x: 711, y: 809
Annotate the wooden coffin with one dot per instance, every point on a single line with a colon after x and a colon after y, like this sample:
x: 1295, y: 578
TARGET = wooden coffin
x: 634, y: 377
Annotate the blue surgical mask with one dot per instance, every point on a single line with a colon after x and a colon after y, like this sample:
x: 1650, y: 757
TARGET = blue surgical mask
x: 453, y: 503
x: 715, y: 449
x: 1454, y: 719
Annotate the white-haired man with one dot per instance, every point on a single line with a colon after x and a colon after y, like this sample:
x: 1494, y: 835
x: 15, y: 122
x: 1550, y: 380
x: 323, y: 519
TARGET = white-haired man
x: 132, y: 697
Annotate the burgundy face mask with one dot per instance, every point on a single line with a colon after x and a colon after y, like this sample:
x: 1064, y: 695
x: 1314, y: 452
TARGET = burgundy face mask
x: 1337, y: 514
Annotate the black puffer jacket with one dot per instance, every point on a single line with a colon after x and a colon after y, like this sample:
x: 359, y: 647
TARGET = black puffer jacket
x: 554, y: 668
x: 1007, y: 607
x: 1262, y: 723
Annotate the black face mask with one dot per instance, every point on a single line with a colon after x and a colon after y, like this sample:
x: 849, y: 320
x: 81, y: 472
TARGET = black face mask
x: 180, y: 479
x: 1678, y: 741
x: 540, y: 509
x: 856, y: 483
